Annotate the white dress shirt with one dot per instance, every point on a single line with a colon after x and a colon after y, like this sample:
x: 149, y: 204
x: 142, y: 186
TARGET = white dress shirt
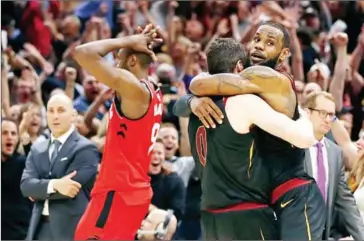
x: 62, y: 139
x: 313, y: 154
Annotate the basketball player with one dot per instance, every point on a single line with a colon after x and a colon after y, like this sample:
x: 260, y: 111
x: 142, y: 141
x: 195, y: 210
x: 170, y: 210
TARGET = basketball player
x: 121, y: 196
x: 235, y: 190
x: 295, y: 196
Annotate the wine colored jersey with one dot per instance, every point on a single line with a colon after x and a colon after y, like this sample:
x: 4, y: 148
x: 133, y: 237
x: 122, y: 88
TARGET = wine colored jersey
x: 127, y: 152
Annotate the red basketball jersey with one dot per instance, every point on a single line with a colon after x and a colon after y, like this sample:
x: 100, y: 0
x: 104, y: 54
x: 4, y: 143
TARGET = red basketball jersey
x: 127, y: 151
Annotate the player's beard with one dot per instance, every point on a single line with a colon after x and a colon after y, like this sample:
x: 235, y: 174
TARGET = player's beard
x: 271, y: 63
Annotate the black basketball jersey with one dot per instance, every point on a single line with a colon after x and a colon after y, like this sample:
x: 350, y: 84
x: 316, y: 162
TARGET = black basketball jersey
x: 226, y: 164
x: 284, y: 160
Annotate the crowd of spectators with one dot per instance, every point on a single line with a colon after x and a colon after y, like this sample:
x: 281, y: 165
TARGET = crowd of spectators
x: 38, y: 38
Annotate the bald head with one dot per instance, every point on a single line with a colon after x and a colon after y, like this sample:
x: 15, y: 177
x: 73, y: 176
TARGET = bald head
x: 60, y: 99
x: 60, y: 114
x: 155, y: 218
x: 310, y: 88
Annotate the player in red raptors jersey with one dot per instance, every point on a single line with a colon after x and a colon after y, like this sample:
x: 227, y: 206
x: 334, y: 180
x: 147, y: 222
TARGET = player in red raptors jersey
x: 121, y: 196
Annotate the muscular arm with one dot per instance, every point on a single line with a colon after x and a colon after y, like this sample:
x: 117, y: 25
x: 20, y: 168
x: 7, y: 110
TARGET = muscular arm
x: 246, y: 110
x: 269, y: 84
x: 253, y: 80
x: 130, y: 89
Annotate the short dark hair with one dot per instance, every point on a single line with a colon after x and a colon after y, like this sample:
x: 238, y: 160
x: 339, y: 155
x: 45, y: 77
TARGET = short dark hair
x: 223, y: 55
x: 286, y: 36
x: 144, y: 59
x: 10, y: 120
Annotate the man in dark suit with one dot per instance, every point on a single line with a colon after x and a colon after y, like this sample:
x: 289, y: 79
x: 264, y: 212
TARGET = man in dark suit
x: 324, y: 162
x: 59, y: 175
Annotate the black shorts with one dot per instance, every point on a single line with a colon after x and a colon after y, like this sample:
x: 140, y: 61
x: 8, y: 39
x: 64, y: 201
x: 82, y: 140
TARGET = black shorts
x: 252, y: 224
x: 301, y: 213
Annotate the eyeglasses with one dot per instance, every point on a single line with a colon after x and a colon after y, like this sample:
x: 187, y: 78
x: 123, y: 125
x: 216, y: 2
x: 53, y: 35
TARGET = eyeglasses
x: 323, y: 114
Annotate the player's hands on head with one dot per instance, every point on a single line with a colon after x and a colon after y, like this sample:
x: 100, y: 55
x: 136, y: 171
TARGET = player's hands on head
x: 207, y: 111
x: 66, y: 186
x: 144, y: 41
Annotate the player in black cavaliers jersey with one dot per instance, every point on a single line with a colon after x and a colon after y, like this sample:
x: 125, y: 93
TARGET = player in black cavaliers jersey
x: 295, y: 196
x: 235, y: 183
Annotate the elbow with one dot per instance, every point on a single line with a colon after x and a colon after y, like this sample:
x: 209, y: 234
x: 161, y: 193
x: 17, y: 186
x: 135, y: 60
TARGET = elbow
x: 24, y: 188
x: 196, y: 87
x: 306, y: 140
x: 79, y: 53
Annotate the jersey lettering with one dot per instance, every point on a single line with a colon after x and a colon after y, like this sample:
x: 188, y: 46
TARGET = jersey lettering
x: 154, y: 136
x: 158, y: 109
x: 201, y: 144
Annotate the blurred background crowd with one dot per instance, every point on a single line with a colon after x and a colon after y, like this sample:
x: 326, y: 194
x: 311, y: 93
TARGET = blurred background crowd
x: 38, y: 37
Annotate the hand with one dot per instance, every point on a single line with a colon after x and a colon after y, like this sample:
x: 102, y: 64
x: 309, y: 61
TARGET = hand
x: 144, y: 42
x: 48, y: 68
x: 194, y: 48
x: 31, y: 49
x: 204, y: 108
x: 66, y: 186
x: 107, y: 94
x: 70, y: 73
x: 223, y: 27
x: 172, y: 4
x: 340, y: 39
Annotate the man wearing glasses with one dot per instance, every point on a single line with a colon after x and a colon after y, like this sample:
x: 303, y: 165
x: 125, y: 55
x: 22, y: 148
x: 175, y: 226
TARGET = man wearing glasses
x: 324, y: 162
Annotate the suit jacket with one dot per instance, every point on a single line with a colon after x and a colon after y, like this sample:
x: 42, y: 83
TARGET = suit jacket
x: 77, y: 153
x: 339, y: 197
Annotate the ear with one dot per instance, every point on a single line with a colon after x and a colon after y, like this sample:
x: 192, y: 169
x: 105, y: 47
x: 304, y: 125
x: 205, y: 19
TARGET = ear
x: 285, y: 53
x: 132, y: 60
x: 239, y: 66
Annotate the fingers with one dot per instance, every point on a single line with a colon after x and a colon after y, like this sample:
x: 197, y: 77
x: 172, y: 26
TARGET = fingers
x: 76, y: 185
x: 140, y: 29
x: 71, y: 175
x: 204, y: 122
x: 147, y: 28
x: 214, y: 114
x: 207, y: 117
x: 216, y: 110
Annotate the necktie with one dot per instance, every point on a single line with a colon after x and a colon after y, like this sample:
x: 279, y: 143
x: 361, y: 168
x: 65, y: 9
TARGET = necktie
x: 321, y: 172
x: 56, y: 144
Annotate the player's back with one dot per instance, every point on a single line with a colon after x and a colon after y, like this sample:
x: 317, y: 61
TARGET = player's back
x: 128, y: 148
x: 284, y: 160
x: 224, y: 162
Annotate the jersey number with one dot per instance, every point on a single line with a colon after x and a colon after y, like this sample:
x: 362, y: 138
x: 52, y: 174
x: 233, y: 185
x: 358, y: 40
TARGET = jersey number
x: 201, y: 144
x: 154, y: 136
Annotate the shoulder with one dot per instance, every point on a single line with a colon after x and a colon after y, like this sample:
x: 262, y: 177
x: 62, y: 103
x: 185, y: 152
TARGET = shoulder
x: 262, y: 72
x: 39, y: 146
x: 332, y: 145
x: 83, y: 142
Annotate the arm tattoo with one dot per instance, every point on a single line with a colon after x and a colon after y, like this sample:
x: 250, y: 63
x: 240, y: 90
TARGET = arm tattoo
x: 261, y: 73
x: 228, y: 81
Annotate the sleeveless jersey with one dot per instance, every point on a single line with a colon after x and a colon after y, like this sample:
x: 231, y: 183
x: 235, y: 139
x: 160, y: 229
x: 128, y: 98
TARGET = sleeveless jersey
x: 224, y: 164
x: 284, y: 160
x: 128, y: 148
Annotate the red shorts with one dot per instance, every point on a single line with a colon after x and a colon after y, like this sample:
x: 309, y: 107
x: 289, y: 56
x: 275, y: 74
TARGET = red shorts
x: 108, y: 217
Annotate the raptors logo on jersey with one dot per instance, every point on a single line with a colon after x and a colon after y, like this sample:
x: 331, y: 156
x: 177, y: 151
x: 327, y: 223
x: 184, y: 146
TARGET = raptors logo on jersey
x: 128, y: 147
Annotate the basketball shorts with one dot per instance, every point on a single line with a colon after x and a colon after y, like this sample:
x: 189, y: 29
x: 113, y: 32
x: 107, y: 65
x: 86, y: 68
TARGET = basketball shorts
x: 239, y: 223
x: 300, y: 210
x: 108, y: 217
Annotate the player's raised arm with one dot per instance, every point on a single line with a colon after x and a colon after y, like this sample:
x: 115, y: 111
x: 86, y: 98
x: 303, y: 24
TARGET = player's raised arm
x: 258, y: 112
x: 90, y: 57
x: 253, y: 80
